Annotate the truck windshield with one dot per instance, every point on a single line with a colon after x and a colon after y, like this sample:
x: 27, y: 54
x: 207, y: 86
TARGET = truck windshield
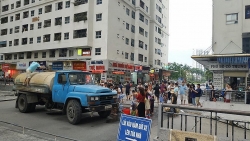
x: 80, y: 78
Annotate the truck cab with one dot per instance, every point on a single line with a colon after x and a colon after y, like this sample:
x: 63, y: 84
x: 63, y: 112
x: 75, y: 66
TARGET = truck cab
x: 74, y: 92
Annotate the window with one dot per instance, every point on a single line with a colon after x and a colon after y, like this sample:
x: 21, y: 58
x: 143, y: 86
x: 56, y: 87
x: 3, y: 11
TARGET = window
x: 25, y: 27
x: 67, y: 4
x: 67, y: 20
x: 140, y: 57
x: 159, y: 41
x: 247, y: 12
x: 21, y: 55
x: 146, y: 9
x: 46, y: 38
x: 11, y: 30
x: 99, y: 17
x: 47, y: 23
x: 31, y: 26
x: 155, y: 39
x: 17, y: 17
x: 39, y: 25
x: 126, y: 55
x: 44, y: 54
x: 16, y: 42
x: 127, y: 41
x: 63, y: 52
x: 246, y: 45
x: 59, y: 6
x: 32, y: 13
x: 80, y: 33
x: 132, y: 28
x: 31, y: 40
x: 141, y: 44
x: 132, y: 42
x: 8, y: 56
x: 159, y: 30
x: 17, y: 29
x: 127, y: 26
x: 127, y: 11
x: 141, y: 31
x: 232, y: 18
x: 132, y: 56
x: 15, y: 56
x: 52, y: 53
x: 18, y: 4
x: 98, y: 34
x: 10, y: 43
x: 35, y: 54
x: 145, y: 59
x: 4, y: 32
x: 97, y: 51
x: 12, y: 6
x: 40, y: 11
x: 66, y: 36
x: 58, y: 21
x: 155, y: 51
x: 26, y: 2
x: 39, y: 39
x: 141, y: 17
x: 156, y: 28
x: 142, y: 4
x: 98, y: 2
x: 25, y: 14
x: 80, y: 17
x: 79, y: 2
x: 32, y: 1
x: 133, y: 14
x: 146, y: 21
x: 146, y: 34
x: 133, y: 2
x: 48, y: 8
x: 146, y: 47
x: 28, y: 55
x: 4, y: 20
x: 71, y: 53
x: 11, y: 18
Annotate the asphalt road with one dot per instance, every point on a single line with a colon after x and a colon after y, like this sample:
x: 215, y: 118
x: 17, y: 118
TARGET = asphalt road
x: 90, y: 128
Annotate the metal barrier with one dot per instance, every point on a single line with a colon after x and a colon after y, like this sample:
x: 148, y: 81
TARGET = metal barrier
x: 23, y: 128
x: 197, y: 120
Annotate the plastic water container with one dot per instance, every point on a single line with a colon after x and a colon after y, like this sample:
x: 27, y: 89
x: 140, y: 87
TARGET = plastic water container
x: 126, y: 111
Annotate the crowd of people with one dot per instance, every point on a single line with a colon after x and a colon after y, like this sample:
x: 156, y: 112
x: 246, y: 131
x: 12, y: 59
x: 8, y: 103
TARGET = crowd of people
x: 143, y: 96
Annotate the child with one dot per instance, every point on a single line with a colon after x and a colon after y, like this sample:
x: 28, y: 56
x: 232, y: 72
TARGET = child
x: 134, y: 103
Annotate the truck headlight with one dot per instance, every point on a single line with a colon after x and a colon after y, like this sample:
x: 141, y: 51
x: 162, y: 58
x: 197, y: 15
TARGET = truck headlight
x: 92, y: 98
x: 115, y: 96
x: 96, y: 98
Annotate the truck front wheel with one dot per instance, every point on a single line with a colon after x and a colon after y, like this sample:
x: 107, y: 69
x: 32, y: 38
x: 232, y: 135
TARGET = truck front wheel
x: 104, y: 114
x: 23, y: 105
x: 74, y: 112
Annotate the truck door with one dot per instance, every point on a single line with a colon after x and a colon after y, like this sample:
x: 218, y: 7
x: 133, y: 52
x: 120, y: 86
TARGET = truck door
x: 60, y: 88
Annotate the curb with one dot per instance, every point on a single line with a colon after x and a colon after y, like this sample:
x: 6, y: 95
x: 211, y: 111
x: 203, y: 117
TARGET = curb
x: 7, y: 100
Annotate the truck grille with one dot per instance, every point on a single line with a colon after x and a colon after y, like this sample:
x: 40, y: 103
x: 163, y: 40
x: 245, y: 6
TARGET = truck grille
x: 106, y: 99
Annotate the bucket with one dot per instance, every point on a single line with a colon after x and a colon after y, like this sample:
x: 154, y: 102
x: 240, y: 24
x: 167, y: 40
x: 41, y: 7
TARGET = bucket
x: 126, y: 111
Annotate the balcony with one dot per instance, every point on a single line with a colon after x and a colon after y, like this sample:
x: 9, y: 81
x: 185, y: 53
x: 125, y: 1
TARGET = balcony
x: 46, y: 38
x: 80, y: 33
x: 57, y: 36
x: 80, y: 2
x: 24, y: 41
x: 48, y: 8
x: 4, y: 20
x: 80, y: 17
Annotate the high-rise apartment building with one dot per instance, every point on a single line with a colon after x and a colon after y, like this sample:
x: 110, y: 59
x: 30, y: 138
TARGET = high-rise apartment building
x: 117, y: 34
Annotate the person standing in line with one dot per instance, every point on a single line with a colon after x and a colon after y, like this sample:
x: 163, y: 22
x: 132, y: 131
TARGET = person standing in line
x: 228, y: 94
x: 176, y: 89
x: 157, y: 92
x: 198, y: 95
x: 192, y: 89
x: 128, y: 87
x: 141, y: 100
x: 183, y: 89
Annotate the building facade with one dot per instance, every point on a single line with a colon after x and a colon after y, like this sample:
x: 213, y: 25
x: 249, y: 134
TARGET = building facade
x: 80, y: 32
x: 230, y: 44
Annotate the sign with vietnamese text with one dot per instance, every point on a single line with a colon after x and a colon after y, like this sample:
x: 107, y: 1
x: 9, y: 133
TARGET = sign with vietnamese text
x: 5, y: 67
x: 228, y: 67
x: 218, y: 80
x: 57, y: 66
x: 133, y: 128
x: 22, y: 65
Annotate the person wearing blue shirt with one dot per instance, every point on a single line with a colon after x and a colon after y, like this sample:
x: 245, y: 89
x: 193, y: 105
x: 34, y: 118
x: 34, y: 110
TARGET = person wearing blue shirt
x: 183, y: 89
x: 33, y: 66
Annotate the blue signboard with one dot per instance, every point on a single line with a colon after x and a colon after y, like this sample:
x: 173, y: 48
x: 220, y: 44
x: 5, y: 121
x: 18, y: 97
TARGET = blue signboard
x: 57, y: 66
x: 133, y: 128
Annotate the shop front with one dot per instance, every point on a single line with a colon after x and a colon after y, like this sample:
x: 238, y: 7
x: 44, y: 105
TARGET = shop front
x: 9, y: 70
x: 99, y: 70
x: 57, y: 66
x: 233, y: 70
x: 119, y: 71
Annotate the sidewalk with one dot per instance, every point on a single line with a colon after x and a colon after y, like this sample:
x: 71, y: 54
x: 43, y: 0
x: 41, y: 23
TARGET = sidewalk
x: 7, y: 96
x: 7, y: 134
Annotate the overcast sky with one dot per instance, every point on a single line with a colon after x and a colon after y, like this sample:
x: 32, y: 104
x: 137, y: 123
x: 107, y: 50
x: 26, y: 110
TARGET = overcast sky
x: 190, y: 26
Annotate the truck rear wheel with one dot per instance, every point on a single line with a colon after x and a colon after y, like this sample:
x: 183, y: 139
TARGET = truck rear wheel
x: 104, y: 114
x: 74, y: 112
x: 23, y: 105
